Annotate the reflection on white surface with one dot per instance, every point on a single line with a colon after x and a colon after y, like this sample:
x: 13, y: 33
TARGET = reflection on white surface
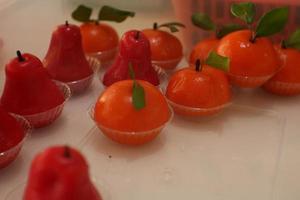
x: 27, y: 25
x: 229, y: 156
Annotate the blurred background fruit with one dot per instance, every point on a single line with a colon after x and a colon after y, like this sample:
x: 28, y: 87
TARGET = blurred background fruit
x: 219, y: 11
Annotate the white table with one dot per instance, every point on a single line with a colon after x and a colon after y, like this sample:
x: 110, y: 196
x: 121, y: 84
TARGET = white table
x: 160, y: 170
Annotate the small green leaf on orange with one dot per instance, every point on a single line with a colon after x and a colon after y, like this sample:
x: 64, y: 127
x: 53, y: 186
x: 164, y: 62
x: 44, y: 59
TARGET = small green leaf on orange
x: 138, y: 96
x: 293, y: 41
x: 138, y: 93
x: 245, y: 11
x: 272, y: 22
x: 108, y: 13
x: 203, y: 21
x: 82, y: 13
x: 217, y: 61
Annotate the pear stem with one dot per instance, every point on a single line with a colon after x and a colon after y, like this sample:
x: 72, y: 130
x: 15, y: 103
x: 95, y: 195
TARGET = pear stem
x: 198, y: 65
x: 155, y: 26
x: 67, y: 23
x: 20, y: 57
x: 67, y: 153
x: 137, y: 35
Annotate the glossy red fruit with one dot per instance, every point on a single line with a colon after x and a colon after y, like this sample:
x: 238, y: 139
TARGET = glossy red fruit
x: 60, y: 173
x: 135, y: 50
x: 28, y: 87
x: 65, y: 59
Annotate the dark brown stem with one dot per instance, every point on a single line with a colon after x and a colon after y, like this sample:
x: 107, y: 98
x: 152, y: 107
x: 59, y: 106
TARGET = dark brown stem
x: 67, y: 153
x: 20, y: 57
x: 253, y: 38
x: 198, y: 66
x: 283, y: 45
x: 218, y: 35
x: 155, y: 26
x: 137, y: 35
x: 218, y: 28
x: 67, y: 23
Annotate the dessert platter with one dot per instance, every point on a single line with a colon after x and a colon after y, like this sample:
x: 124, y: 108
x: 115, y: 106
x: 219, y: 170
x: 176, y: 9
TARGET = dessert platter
x: 108, y: 117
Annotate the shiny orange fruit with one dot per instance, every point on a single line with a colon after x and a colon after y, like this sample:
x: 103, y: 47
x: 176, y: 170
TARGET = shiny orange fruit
x: 118, y: 118
x: 251, y: 63
x: 99, y: 39
x: 287, y: 81
x: 203, y: 91
x: 202, y: 49
x: 166, y: 49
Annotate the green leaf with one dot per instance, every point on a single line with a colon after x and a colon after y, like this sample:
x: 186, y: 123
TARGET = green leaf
x: 131, y: 71
x: 173, y: 26
x: 272, y: 22
x: 293, y: 41
x: 217, y: 61
x: 138, y: 96
x: 245, y: 11
x: 138, y: 93
x: 228, y: 28
x: 108, y: 13
x: 82, y: 13
x: 203, y: 21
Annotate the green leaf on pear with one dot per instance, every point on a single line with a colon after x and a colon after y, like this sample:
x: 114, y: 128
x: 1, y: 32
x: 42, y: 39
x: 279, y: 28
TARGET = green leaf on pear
x: 203, y: 21
x: 217, y: 61
x: 82, y: 13
x: 138, y: 92
x: 173, y: 26
x: 245, y: 11
x: 108, y: 13
x: 228, y: 28
x: 293, y: 41
x: 272, y: 22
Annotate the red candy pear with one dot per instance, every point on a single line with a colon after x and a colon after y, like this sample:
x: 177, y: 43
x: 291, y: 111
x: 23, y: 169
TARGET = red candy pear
x: 135, y: 51
x: 28, y: 87
x: 60, y: 173
x: 65, y: 59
